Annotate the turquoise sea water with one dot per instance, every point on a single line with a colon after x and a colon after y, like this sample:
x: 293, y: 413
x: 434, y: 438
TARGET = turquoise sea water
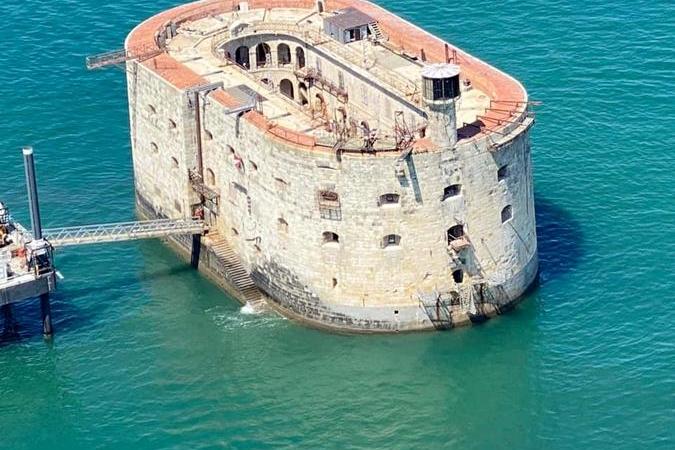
x: 148, y: 354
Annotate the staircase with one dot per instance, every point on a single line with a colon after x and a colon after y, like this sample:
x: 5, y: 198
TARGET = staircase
x: 375, y: 29
x: 236, y: 272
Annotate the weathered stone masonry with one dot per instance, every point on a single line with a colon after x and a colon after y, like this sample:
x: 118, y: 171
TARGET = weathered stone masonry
x: 365, y: 264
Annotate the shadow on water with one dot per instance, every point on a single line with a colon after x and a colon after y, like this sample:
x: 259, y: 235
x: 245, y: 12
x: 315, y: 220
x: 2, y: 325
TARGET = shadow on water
x: 560, y: 240
x: 25, y: 322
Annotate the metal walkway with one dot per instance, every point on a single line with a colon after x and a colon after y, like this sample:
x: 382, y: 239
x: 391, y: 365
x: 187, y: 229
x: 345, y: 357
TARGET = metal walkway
x: 121, y: 56
x: 127, y: 231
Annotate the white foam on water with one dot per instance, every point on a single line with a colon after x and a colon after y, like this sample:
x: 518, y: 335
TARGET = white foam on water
x: 248, y: 308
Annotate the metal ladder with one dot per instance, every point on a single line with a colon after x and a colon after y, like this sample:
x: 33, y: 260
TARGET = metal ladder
x: 377, y: 31
x: 436, y: 309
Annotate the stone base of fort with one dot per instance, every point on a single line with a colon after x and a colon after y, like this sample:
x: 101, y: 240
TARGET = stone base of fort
x: 287, y: 295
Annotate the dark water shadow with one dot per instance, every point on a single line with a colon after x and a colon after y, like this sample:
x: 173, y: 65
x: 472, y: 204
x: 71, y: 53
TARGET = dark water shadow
x: 25, y: 322
x: 560, y: 240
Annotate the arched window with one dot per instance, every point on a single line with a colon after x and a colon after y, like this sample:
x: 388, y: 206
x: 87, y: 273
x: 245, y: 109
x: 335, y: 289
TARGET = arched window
x: 208, y: 135
x: 302, y: 92
x: 172, y: 124
x: 391, y: 240
x: 330, y: 237
x: 452, y: 191
x: 300, y: 57
x: 153, y: 147
x: 263, y: 55
x: 210, y: 178
x: 458, y: 275
x: 507, y: 213
x: 286, y: 88
x: 241, y: 57
x: 389, y: 199
x: 174, y: 163
x: 283, y: 54
x: 503, y: 172
x: 320, y: 102
x: 455, y: 232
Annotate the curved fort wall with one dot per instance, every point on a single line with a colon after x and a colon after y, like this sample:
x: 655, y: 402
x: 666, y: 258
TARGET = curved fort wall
x: 333, y: 261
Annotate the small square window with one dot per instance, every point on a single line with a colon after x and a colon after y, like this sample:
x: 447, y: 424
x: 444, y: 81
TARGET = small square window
x: 391, y: 240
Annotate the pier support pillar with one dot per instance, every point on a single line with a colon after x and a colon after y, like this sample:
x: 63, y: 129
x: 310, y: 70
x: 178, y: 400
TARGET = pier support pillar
x: 196, y: 250
x: 46, y: 311
x: 8, y: 317
x: 7, y: 312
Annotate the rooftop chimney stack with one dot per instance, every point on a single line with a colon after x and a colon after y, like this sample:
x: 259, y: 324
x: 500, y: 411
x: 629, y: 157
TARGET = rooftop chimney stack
x: 440, y: 88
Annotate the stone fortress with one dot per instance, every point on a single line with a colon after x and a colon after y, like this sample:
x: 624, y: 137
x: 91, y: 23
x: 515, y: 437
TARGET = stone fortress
x: 357, y: 173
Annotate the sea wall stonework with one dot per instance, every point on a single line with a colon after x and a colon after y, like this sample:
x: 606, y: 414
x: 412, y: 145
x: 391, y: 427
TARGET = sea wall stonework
x: 430, y: 228
x: 270, y: 212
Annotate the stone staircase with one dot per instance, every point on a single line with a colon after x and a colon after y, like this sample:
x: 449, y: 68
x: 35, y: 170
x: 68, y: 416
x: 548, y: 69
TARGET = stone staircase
x: 236, y: 273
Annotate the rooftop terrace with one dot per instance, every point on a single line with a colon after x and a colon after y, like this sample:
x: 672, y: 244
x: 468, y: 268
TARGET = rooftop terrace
x: 196, y: 54
x: 199, y: 46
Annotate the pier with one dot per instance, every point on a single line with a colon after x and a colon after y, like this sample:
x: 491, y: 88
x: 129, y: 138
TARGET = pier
x: 27, y: 256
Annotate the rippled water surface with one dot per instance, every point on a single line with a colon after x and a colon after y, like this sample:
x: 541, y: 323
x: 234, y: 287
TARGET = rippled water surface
x: 148, y: 354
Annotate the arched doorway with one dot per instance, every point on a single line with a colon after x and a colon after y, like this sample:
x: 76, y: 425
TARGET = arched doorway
x: 210, y: 178
x: 300, y: 57
x: 286, y: 88
x: 302, y: 93
x: 283, y: 54
x: 241, y: 57
x: 319, y: 104
x: 263, y: 55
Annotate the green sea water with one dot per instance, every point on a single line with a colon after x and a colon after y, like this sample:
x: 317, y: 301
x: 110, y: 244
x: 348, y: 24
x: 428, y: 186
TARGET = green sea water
x: 148, y: 354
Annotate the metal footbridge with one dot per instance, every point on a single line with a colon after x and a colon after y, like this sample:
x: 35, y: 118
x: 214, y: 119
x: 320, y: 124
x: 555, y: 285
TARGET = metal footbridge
x: 125, y: 231
x: 27, y: 267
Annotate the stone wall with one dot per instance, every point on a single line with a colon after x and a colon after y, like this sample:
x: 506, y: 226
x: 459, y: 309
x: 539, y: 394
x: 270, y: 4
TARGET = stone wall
x: 271, y: 212
x: 163, y: 141
x: 365, y: 96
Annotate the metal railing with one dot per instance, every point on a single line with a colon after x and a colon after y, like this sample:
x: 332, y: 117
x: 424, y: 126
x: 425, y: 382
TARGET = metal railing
x: 121, y: 56
x: 126, y: 231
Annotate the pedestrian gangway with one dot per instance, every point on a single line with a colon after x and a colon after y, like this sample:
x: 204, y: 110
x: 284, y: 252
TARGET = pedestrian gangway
x: 121, y: 56
x: 125, y: 231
